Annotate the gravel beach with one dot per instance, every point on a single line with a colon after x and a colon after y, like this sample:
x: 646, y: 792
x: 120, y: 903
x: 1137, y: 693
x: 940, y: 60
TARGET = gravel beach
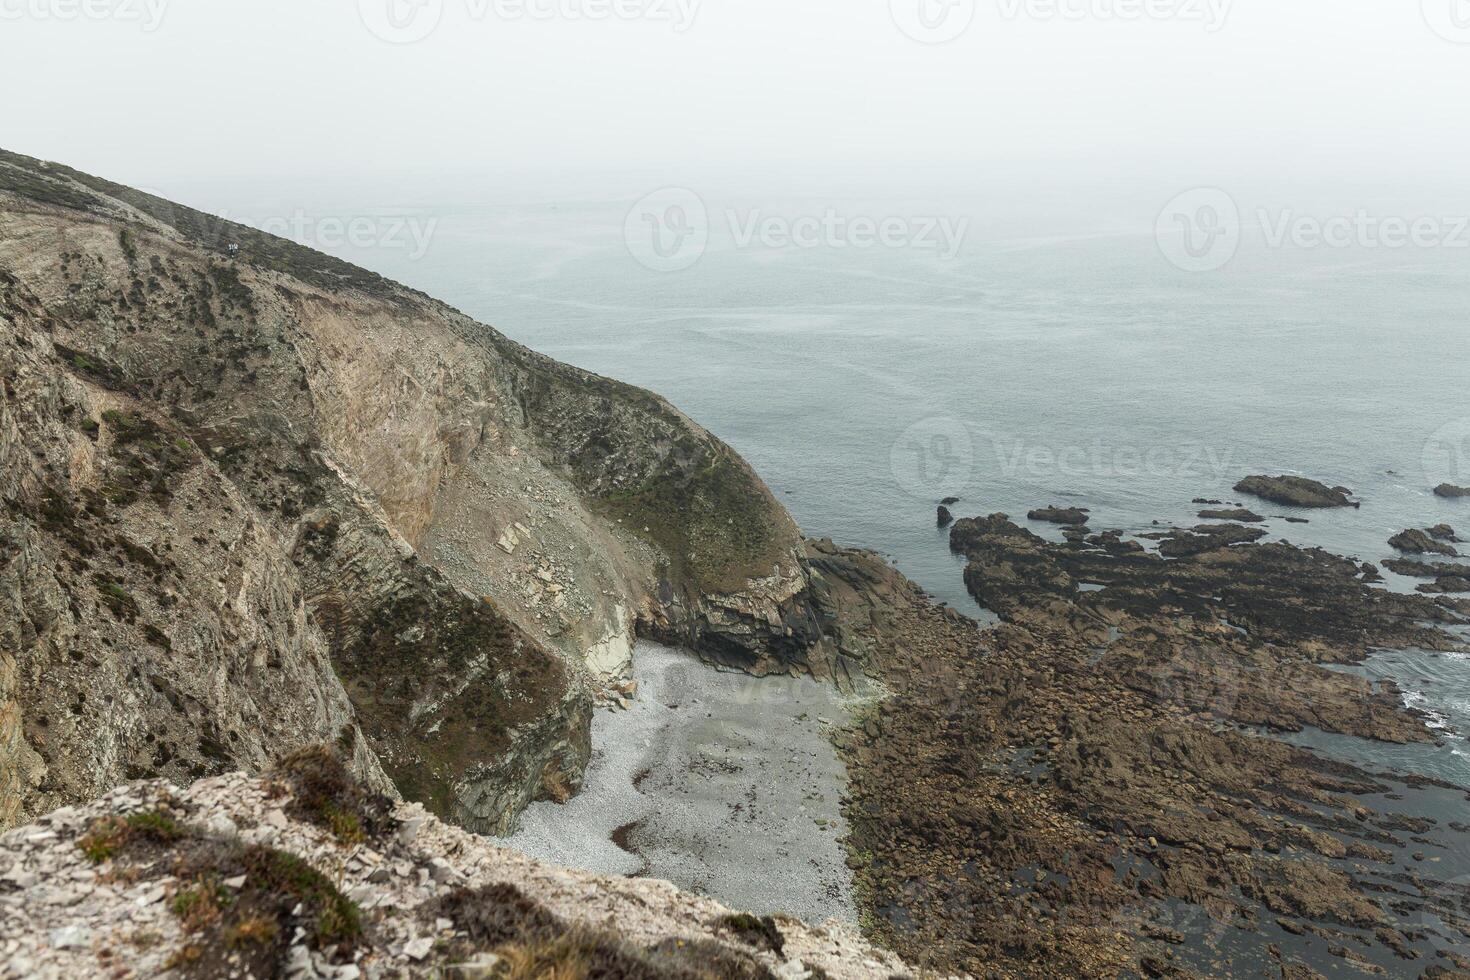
x: 724, y: 784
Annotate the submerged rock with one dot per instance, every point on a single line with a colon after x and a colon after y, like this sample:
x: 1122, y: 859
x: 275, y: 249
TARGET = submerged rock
x: 1297, y: 491
x: 1234, y: 514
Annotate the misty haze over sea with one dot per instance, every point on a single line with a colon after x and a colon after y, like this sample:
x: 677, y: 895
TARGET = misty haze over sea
x: 871, y: 356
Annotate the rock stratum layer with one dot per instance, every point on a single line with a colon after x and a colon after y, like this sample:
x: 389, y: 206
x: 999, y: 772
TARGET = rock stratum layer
x: 259, y: 500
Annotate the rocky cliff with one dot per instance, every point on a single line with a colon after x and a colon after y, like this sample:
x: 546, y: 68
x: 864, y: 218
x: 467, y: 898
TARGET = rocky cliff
x: 262, y: 498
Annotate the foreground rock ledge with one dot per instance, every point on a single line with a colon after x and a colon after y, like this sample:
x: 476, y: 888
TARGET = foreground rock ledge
x: 65, y: 913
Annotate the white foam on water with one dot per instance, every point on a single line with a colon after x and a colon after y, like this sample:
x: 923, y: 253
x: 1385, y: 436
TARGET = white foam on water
x: 1434, y: 718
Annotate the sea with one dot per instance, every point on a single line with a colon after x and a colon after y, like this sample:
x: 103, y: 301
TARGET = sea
x: 871, y: 355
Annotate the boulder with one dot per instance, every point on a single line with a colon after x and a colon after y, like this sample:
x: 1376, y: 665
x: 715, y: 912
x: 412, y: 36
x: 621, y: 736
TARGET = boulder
x: 1415, y: 542
x: 1059, y: 515
x: 1295, y: 491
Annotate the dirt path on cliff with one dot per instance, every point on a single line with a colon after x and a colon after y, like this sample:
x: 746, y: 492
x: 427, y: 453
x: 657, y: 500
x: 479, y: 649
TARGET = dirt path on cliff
x: 724, y: 784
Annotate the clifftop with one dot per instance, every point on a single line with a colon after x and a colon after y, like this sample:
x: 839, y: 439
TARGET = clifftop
x: 283, y: 877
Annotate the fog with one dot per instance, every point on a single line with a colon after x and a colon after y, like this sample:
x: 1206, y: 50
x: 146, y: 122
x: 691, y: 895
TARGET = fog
x: 1056, y: 103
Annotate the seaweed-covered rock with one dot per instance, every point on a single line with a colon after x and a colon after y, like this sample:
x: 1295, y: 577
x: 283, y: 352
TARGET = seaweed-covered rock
x: 1235, y: 514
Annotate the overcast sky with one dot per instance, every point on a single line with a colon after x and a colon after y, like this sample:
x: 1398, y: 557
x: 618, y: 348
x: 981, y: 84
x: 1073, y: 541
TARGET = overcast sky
x: 158, y: 92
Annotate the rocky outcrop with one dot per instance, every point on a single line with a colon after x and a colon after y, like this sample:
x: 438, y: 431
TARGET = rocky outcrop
x: 1415, y: 542
x: 1090, y: 788
x: 1449, y: 577
x: 1295, y: 491
x: 1424, y: 569
x: 288, y: 473
x: 1450, y: 491
x: 1235, y: 514
x: 1201, y: 538
x: 236, y: 876
x: 1059, y: 515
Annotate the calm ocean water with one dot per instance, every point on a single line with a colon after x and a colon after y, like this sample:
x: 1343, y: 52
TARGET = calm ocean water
x: 865, y: 384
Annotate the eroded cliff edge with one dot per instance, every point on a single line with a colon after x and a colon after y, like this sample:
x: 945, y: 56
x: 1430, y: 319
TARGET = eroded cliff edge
x: 259, y: 500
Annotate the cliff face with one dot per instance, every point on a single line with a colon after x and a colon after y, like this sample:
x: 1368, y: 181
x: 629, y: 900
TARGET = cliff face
x: 261, y: 501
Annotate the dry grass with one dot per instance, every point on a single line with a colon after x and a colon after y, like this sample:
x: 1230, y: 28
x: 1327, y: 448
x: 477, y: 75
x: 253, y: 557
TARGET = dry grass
x: 560, y: 959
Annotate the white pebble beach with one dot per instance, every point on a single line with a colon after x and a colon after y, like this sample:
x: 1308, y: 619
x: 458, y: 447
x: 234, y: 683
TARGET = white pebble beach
x: 724, y: 784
